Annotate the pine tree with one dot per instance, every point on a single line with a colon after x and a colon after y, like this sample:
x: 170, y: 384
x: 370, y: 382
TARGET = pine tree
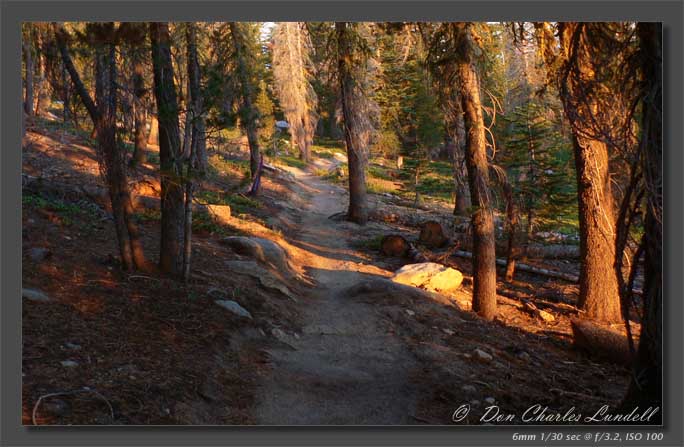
x: 292, y: 71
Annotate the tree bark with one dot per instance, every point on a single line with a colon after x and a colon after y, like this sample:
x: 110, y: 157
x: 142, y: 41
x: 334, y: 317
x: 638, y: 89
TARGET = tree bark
x: 153, y: 137
x: 102, y: 111
x: 456, y: 132
x: 139, y: 92
x: 356, y: 147
x: 172, y: 193
x: 598, y: 295
x: 43, y: 85
x: 484, y: 256
x: 197, y: 103
x: 197, y: 143
x: 646, y: 387
x: 512, y: 223
x: 250, y: 115
x: 28, y: 80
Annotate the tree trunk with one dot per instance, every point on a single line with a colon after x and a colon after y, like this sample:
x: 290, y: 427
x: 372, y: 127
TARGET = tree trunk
x: 356, y: 147
x: 598, y: 295
x: 43, y: 102
x: 197, y: 143
x: 28, y: 81
x: 513, y: 223
x: 66, y: 97
x: 646, y: 388
x: 484, y: 256
x: 140, y: 132
x: 198, y: 121
x: 456, y: 133
x: 102, y: 111
x: 153, y: 137
x: 250, y: 115
x: 172, y: 191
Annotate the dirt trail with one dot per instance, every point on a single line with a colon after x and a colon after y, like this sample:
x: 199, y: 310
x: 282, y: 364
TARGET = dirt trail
x: 347, y: 367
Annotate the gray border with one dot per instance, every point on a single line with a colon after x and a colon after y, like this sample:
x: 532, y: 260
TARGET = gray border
x: 12, y: 13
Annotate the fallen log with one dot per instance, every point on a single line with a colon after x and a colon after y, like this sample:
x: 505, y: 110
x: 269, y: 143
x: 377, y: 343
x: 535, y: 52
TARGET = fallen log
x: 535, y: 270
x: 526, y: 268
x: 601, y: 342
x: 432, y: 234
x: 548, y: 301
x: 552, y: 251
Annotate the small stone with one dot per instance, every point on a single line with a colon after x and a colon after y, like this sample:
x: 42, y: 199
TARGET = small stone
x: 410, y: 312
x: 448, y: 331
x: 278, y: 333
x: 68, y: 363
x: 234, y: 307
x: 490, y: 400
x: 35, y: 295
x: 482, y: 355
x: 469, y: 388
x: 72, y: 346
x: 546, y: 316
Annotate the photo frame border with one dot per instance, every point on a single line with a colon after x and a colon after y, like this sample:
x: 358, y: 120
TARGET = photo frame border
x: 14, y: 12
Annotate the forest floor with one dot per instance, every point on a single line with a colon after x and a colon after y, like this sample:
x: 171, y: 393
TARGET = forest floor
x: 116, y: 348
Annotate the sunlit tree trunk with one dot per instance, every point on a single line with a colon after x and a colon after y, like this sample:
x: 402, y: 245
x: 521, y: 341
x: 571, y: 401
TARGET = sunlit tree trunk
x: 357, y: 150
x: 598, y: 296
x: 298, y: 100
x: 172, y: 191
x: 484, y: 257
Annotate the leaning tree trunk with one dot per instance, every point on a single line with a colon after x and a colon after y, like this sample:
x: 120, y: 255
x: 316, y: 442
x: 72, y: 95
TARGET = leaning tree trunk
x: 484, y: 256
x: 28, y: 60
x: 598, y: 294
x: 646, y: 388
x: 355, y: 142
x: 172, y: 193
x: 102, y: 111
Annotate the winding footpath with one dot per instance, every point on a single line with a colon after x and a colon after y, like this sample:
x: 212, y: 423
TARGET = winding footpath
x: 347, y: 367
